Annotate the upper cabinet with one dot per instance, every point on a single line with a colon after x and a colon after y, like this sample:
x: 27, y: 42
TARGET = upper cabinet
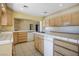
x: 58, y: 21
x: 66, y: 19
x: 9, y: 17
x: 0, y: 11
x: 70, y: 19
x: 75, y: 19
x: 51, y: 22
x: 6, y: 15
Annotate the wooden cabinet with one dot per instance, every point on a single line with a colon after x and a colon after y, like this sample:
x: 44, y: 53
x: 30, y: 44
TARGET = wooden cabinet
x: 22, y: 37
x: 39, y: 43
x: 70, y: 19
x: 15, y: 38
x: 6, y: 16
x: 58, y: 21
x: 65, y: 48
x: 36, y: 42
x: 51, y: 22
x: 19, y: 37
x: 75, y: 19
x: 0, y: 11
x: 9, y: 17
x: 66, y: 19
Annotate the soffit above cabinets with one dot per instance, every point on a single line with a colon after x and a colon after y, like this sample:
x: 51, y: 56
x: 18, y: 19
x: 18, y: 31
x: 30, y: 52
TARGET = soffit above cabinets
x: 39, y: 9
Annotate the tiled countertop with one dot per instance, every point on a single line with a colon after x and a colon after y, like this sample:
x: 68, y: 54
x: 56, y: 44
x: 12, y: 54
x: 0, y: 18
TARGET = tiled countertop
x: 65, y: 37
x: 24, y: 31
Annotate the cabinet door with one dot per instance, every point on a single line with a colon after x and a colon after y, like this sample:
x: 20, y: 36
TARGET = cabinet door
x: 4, y: 15
x: 41, y: 44
x: 51, y: 22
x: 36, y: 42
x: 66, y: 19
x: 22, y: 37
x: 58, y: 21
x: 0, y: 11
x: 4, y: 19
x: 10, y: 17
x: 75, y: 18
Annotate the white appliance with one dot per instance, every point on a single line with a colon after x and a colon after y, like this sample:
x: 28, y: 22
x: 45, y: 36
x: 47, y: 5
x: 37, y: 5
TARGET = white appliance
x: 48, y: 46
x: 30, y: 36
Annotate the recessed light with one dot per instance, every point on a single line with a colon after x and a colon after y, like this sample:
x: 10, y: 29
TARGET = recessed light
x: 45, y: 12
x: 61, y: 5
x: 25, y: 6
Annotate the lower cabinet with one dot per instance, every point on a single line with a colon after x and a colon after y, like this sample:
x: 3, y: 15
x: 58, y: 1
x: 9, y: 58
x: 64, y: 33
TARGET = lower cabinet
x: 39, y: 43
x: 19, y: 37
x: 63, y: 48
x: 6, y: 50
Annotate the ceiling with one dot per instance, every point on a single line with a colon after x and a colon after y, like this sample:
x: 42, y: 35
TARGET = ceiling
x: 39, y: 9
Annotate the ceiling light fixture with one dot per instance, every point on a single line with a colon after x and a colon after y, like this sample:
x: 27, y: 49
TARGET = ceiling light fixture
x: 45, y: 12
x: 61, y: 5
x: 25, y: 6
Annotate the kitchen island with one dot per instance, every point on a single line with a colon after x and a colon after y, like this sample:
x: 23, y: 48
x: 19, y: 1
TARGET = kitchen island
x: 60, y: 45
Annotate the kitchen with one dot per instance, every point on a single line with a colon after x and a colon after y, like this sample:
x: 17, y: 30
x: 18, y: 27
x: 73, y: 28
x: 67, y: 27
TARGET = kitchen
x: 39, y: 29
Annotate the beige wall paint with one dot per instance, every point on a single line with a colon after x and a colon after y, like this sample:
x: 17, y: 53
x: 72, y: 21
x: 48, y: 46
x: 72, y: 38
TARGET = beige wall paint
x: 25, y: 16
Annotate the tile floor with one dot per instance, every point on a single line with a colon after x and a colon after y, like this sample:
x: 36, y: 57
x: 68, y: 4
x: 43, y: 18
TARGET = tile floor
x: 26, y: 49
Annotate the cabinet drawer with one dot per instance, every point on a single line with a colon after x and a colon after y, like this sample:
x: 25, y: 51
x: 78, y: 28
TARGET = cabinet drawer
x: 21, y: 40
x: 57, y: 54
x: 22, y: 35
x: 65, y: 51
x: 66, y: 45
x: 21, y: 32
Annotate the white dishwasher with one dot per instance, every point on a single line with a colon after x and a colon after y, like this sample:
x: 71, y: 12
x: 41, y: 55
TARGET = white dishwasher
x: 30, y: 36
x: 48, y: 46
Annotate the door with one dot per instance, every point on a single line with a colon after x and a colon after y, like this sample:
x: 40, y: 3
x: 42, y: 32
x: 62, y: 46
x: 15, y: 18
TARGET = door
x: 37, y: 27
